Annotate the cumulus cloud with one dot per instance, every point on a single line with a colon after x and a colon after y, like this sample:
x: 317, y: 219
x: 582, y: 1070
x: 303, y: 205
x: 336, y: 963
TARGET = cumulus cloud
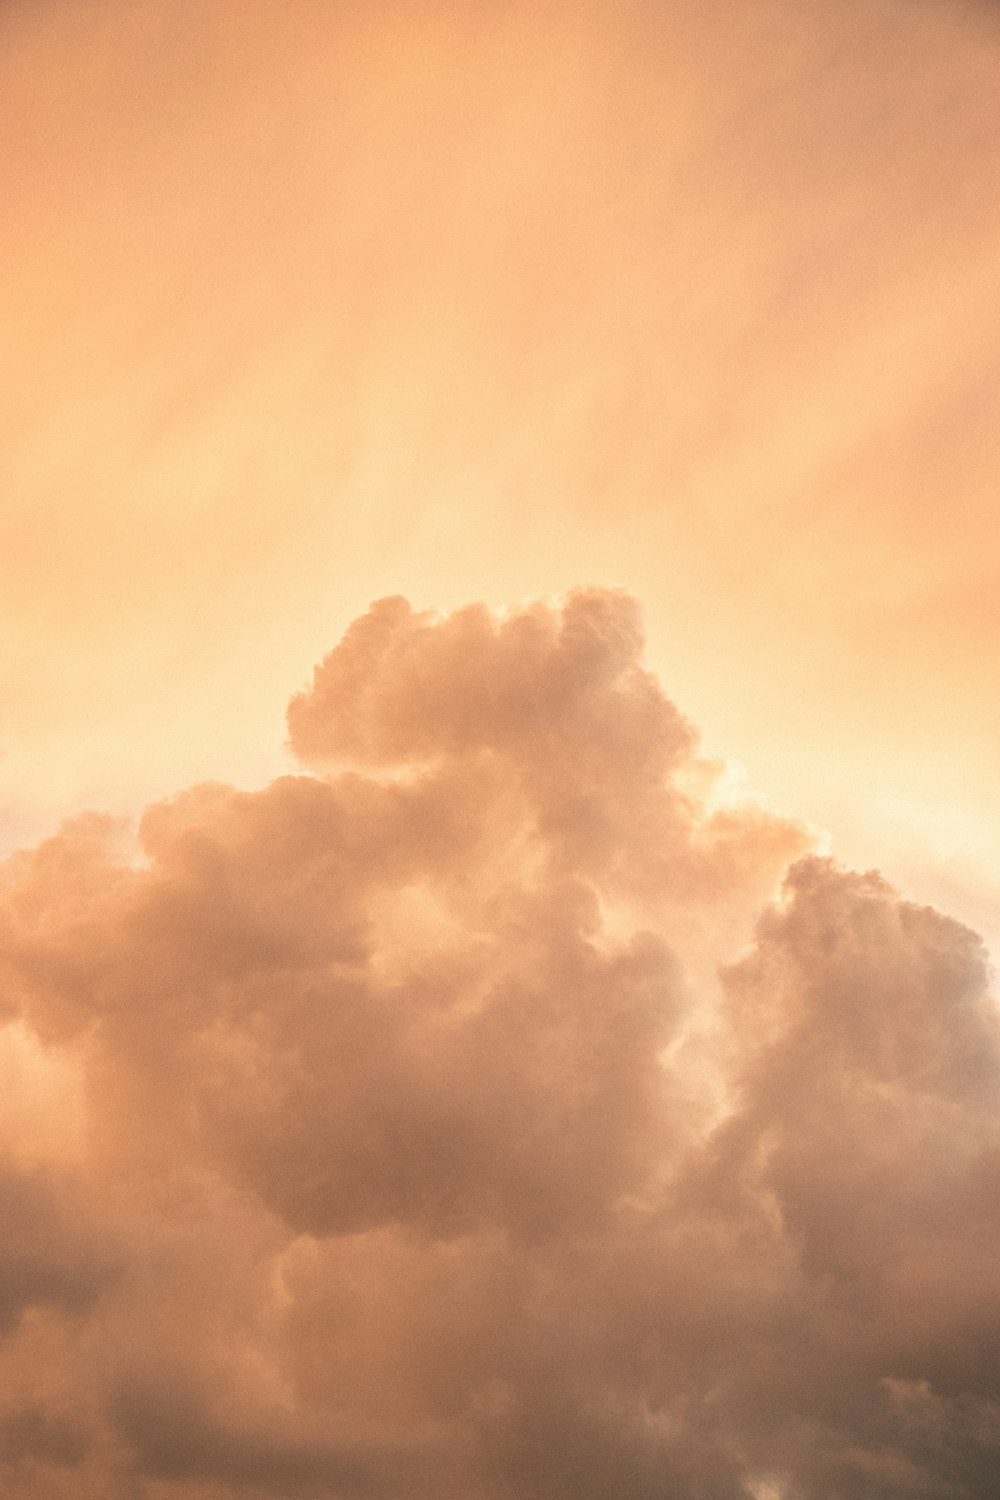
x: 471, y: 1115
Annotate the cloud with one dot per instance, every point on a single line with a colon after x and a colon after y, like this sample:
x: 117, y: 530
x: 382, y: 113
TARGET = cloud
x: 471, y: 1115
x: 50, y: 1255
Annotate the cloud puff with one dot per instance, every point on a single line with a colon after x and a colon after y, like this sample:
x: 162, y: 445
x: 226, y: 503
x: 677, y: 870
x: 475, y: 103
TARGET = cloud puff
x: 424, y: 1152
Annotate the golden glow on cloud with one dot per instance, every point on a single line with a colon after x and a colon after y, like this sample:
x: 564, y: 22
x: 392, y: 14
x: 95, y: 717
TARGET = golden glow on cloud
x: 417, y: 1151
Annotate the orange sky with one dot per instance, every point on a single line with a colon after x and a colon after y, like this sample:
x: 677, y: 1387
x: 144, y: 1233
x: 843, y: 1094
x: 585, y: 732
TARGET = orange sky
x: 308, y: 304
x: 477, y: 1125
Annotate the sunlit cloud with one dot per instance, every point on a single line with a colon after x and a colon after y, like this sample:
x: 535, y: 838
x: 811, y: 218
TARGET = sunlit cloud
x: 422, y: 1153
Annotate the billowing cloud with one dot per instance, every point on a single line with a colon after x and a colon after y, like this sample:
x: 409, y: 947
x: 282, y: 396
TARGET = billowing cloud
x: 471, y: 1116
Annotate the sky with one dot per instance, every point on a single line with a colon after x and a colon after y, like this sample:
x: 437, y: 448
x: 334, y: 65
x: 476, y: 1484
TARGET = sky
x: 498, y: 744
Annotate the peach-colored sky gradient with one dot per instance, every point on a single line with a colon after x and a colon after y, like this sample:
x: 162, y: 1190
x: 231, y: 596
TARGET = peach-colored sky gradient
x: 390, y: 1130
x: 310, y: 303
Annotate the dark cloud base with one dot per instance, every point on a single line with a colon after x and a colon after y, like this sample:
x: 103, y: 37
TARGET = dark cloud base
x: 468, y: 1118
